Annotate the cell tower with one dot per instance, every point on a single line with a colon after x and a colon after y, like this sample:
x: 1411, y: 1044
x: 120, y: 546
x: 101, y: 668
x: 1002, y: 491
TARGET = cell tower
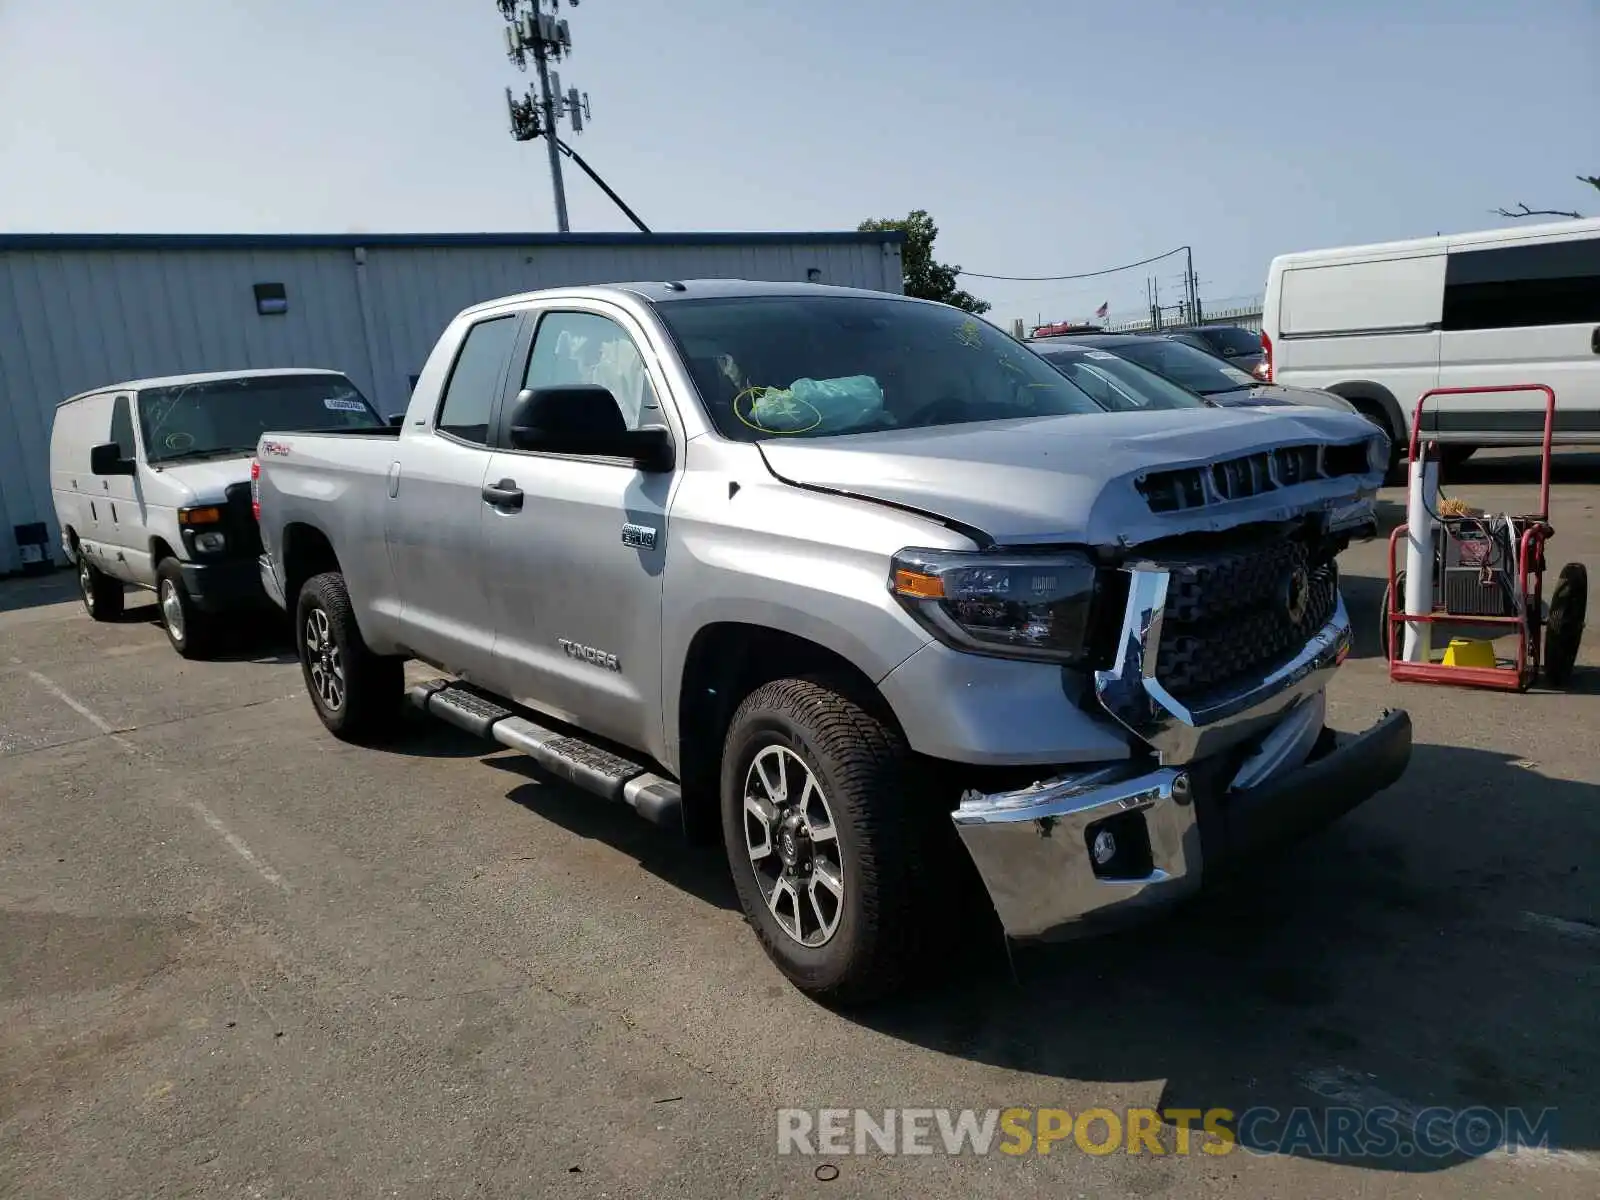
x: 536, y: 30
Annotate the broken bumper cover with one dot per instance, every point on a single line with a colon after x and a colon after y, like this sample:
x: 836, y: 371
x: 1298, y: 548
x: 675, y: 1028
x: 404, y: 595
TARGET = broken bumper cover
x: 1168, y: 828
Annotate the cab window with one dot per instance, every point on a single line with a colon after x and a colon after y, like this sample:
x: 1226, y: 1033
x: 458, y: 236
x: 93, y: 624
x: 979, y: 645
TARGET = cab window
x: 579, y: 347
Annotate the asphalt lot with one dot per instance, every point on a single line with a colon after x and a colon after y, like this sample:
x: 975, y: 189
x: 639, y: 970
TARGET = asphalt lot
x: 238, y: 958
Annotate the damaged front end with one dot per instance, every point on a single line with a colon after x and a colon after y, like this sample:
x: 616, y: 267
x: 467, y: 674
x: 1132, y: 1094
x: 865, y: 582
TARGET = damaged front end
x: 1216, y: 671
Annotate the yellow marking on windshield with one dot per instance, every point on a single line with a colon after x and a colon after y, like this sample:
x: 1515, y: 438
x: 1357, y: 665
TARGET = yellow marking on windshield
x: 786, y: 406
x: 968, y: 333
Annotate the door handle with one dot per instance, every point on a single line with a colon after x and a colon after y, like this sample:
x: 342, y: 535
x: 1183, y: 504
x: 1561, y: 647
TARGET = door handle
x: 505, y: 494
x: 1594, y: 340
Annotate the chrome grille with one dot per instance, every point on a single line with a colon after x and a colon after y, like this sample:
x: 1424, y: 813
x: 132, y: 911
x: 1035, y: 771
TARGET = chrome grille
x: 1233, y: 616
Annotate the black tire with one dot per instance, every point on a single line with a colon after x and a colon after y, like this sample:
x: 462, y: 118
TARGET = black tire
x: 887, y: 846
x: 357, y: 694
x: 102, y: 595
x: 1385, y: 630
x: 1395, y: 475
x: 192, y: 633
x: 1563, y: 629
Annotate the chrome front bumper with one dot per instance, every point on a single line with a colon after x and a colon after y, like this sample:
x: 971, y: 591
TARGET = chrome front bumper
x: 1172, y: 829
x: 1035, y: 847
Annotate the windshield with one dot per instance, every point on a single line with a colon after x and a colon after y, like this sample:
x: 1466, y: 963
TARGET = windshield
x: 1194, y: 369
x: 222, y: 416
x: 1119, y: 385
x: 1231, y: 340
x: 814, y: 366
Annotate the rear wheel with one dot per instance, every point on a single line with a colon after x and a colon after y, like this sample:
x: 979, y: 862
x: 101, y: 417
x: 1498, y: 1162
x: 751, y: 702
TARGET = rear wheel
x: 1563, y: 629
x: 357, y: 694
x: 827, y: 840
x: 191, y: 632
x: 102, y: 595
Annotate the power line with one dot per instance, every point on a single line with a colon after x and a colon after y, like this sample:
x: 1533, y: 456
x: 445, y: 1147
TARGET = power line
x: 1084, y: 275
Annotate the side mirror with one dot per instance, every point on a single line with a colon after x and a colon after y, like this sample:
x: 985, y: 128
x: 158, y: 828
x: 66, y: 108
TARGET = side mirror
x: 585, y: 419
x: 106, y: 459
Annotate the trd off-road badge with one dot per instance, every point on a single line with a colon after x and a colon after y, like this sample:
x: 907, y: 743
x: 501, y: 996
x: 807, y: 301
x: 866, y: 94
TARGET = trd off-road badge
x: 588, y: 654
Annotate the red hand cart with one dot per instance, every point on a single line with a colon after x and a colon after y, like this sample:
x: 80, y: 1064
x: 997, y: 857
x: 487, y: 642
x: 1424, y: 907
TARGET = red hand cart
x: 1464, y: 545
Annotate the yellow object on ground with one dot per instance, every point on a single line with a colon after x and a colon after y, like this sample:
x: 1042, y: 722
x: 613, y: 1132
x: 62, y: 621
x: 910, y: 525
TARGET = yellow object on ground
x: 1469, y: 652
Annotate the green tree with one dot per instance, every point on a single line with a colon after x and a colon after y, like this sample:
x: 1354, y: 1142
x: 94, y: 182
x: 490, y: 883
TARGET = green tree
x: 926, y: 278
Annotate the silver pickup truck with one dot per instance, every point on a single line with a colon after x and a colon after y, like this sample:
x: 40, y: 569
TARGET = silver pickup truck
x: 857, y: 583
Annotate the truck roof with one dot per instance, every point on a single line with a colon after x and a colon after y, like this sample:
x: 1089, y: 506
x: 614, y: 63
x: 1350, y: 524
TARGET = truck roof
x: 664, y: 291
x: 134, y: 385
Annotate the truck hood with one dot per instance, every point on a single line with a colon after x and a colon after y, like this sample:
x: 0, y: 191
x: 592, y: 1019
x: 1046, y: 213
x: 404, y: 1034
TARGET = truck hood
x: 1074, y: 479
x: 207, y: 479
x: 1275, y: 395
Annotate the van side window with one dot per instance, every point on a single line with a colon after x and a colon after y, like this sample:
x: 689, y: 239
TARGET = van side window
x: 122, y: 427
x: 1514, y: 287
x: 474, y: 383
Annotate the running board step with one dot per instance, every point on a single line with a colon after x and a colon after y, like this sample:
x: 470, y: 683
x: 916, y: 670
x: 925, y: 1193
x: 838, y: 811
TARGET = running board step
x: 581, y: 763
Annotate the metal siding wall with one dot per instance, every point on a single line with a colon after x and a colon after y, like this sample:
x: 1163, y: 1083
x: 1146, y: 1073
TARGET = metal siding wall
x: 75, y: 320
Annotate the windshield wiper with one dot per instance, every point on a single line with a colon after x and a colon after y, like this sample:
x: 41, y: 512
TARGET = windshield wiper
x: 198, y: 453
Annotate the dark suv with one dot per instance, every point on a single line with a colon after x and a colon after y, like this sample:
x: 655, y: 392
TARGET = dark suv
x: 1240, y: 346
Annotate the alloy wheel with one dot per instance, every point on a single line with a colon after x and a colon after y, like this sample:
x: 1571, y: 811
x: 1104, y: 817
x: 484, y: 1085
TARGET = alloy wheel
x: 324, y: 661
x: 793, y: 845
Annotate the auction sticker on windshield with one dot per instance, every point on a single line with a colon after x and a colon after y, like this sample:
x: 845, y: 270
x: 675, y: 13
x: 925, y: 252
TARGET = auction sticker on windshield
x: 340, y: 405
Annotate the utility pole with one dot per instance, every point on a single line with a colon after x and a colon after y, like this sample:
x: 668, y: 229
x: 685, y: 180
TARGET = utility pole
x: 534, y: 30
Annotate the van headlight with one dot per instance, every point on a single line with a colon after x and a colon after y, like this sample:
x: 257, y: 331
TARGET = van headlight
x: 210, y: 542
x: 1035, y: 606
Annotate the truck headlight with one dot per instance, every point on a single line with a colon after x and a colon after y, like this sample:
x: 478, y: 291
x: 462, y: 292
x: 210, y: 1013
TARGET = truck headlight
x: 209, y: 542
x: 1034, y: 606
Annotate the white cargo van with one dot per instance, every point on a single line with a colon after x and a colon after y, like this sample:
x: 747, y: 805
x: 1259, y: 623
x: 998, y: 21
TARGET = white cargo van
x: 151, y: 481
x: 1381, y: 324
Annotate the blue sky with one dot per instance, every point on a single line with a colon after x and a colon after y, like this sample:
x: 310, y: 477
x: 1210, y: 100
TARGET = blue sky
x: 1044, y: 137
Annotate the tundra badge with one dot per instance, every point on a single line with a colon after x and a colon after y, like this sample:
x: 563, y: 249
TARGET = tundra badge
x: 641, y: 536
x: 588, y: 654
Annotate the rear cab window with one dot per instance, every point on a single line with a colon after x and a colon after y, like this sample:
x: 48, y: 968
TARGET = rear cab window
x: 469, y: 395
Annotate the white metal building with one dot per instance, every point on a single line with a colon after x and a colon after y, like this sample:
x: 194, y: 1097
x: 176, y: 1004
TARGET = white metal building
x: 81, y: 310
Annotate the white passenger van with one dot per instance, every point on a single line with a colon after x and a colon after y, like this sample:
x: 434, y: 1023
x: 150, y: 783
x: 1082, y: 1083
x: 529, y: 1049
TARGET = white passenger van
x: 151, y: 481
x: 1381, y: 324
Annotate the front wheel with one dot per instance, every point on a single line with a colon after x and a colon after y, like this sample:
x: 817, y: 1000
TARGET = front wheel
x: 826, y: 838
x: 356, y: 693
x: 190, y: 631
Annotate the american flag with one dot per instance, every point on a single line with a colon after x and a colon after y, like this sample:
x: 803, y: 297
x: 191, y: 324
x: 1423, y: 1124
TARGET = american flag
x: 1100, y: 313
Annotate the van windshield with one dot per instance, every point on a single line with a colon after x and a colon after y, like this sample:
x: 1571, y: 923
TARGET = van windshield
x: 816, y: 366
x: 228, y: 416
